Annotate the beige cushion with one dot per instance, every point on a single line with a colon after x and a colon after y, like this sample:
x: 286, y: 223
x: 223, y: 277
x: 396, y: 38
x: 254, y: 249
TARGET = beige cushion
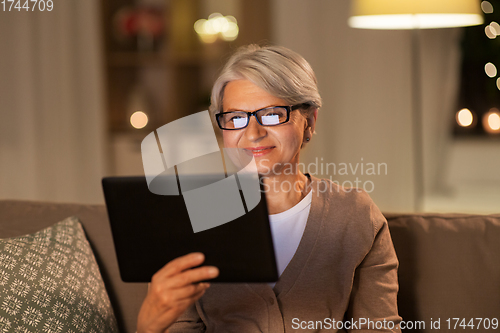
x: 50, y: 282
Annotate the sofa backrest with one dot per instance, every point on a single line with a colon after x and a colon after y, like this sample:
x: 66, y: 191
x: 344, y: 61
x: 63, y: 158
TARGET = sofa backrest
x: 24, y: 217
x: 449, y: 268
x: 449, y: 263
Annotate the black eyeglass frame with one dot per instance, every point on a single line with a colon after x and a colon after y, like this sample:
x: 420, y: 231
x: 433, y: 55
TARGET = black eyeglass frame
x: 288, y: 108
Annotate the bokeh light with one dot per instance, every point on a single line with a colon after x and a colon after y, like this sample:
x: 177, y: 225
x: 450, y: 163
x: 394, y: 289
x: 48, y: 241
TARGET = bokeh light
x: 217, y: 26
x: 491, y: 121
x: 495, y: 27
x: 490, y: 32
x: 139, y: 119
x: 464, y: 118
x: 490, y: 69
x: 487, y: 7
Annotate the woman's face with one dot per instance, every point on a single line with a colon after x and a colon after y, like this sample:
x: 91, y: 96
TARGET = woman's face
x: 275, y: 148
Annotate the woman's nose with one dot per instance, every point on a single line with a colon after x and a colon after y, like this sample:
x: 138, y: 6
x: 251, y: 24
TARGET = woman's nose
x: 254, y: 131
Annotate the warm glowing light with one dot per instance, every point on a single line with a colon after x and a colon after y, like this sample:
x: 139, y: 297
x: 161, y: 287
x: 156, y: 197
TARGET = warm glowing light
x: 487, y: 7
x: 465, y: 117
x: 217, y: 26
x: 139, y: 119
x: 214, y: 15
x: 494, y: 121
x: 208, y: 39
x: 491, y: 121
x: 495, y: 27
x: 490, y: 32
x: 418, y: 14
x: 231, y: 18
x: 498, y: 83
x: 418, y: 21
x: 198, y: 26
x: 231, y: 33
x: 490, y: 69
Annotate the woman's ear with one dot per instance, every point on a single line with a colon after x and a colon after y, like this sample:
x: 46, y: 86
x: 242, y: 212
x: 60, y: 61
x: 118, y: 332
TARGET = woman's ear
x: 311, y: 121
x: 310, y: 125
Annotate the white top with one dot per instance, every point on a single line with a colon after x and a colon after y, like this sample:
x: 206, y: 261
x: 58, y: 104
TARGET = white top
x: 287, y: 229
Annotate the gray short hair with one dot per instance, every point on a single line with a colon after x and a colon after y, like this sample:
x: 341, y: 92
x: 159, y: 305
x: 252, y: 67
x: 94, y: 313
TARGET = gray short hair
x: 279, y: 71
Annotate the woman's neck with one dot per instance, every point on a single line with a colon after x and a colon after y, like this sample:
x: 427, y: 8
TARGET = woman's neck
x: 284, y: 191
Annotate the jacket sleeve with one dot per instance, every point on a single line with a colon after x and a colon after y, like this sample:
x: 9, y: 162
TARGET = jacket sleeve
x: 188, y: 322
x: 373, y: 301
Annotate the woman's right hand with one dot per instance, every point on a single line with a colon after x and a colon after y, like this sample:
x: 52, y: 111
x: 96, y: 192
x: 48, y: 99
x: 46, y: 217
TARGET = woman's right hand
x: 173, y: 289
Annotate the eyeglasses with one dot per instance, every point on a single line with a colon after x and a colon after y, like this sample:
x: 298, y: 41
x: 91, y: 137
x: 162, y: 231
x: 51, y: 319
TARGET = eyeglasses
x: 271, y: 116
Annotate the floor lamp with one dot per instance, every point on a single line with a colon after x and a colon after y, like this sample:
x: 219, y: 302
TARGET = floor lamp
x: 415, y: 15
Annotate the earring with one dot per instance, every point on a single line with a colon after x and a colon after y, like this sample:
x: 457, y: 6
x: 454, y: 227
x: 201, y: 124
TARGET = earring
x: 307, y: 139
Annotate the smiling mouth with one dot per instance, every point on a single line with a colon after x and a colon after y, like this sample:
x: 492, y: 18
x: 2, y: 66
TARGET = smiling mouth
x: 258, y: 151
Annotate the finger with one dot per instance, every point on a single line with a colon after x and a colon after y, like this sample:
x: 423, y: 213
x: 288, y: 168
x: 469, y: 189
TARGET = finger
x: 180, y: 264
x: 166, y: 287
x: 192, y: 291
x: 172, y: 314
x: 168, y: 299
x: 198, y: 295
x: 191, y: 276
x: 184, y: 303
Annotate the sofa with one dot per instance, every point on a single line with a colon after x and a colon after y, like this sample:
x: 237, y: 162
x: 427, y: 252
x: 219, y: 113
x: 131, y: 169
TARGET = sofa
x: 449, y: 271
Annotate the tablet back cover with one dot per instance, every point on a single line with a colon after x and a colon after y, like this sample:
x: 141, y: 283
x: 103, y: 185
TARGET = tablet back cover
x: 150, y: 230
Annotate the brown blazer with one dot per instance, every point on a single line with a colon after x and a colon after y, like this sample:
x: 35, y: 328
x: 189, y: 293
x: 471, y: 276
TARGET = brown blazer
x: 345, y: 269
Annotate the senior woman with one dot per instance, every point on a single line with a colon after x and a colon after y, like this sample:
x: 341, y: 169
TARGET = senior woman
x: 337, y: 264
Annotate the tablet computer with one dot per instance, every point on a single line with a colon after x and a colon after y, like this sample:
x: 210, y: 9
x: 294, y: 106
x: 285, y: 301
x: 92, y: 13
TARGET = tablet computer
x: 149, y: 230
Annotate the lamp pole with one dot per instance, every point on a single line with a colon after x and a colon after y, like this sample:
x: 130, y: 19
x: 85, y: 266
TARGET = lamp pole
x: 417, y: 117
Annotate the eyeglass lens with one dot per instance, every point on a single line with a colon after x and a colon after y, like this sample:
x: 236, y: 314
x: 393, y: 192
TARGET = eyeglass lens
x: 267, y: 117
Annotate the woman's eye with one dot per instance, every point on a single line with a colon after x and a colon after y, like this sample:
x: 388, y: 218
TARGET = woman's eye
x: 275, y: 112
x: 232, y: 116
x: 270, y: 114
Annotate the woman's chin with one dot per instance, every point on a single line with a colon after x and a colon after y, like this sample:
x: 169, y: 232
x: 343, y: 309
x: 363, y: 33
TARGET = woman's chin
x: 264, y: 169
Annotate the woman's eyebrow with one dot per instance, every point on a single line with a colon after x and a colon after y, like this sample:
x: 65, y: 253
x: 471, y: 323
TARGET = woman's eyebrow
x: 270, y: 106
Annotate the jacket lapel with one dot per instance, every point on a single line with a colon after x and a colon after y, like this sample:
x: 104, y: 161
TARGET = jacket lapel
x: 314, y: 222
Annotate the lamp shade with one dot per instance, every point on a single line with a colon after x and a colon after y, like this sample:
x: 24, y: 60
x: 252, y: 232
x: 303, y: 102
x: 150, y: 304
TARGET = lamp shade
x: 414, y: 14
